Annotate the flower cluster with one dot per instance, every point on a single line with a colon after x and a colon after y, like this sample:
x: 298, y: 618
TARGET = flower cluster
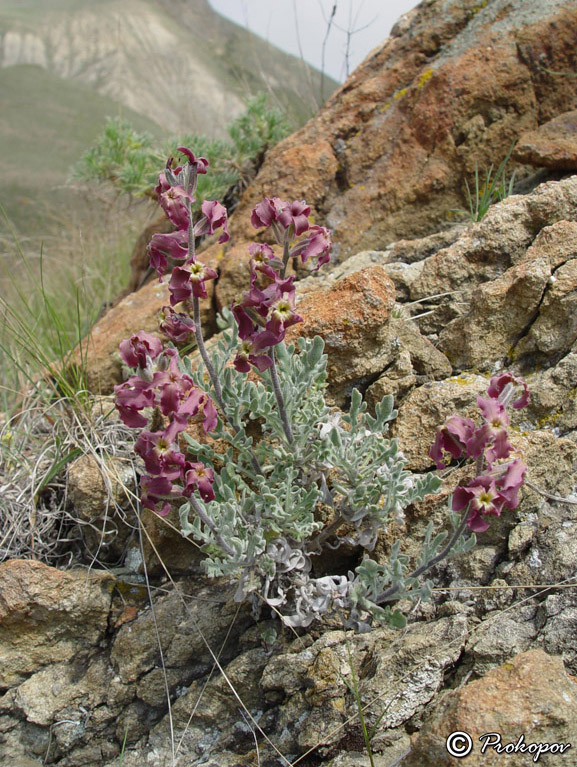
x: 268, y: 308
x: 175, y: 190
x: 496, y: 485
x: 170, y: 397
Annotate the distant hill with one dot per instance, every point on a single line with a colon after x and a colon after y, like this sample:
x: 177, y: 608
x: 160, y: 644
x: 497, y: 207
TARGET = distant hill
x: 45, y: 124
x: 176, y: 62
x: 167, y: 66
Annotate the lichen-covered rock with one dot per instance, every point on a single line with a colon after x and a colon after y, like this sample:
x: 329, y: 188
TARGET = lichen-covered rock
x: 413, y: 360
x: 449, y: 91
x: 386, y: 158
x: 530, y: 695
x: 427, y: 408
x: 553, y: 402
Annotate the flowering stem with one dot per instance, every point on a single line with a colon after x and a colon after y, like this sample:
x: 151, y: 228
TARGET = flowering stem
x: 211, y: 525
x: 285, y: 257
x: 280, y: 400
x: 392, y: 590
x: 204, y: 354
x: 214, y: 378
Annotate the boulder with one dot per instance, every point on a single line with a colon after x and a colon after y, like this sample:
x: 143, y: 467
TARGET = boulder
x: 551, y: 145
x: 387, y: 157
x: 48, y: 616
x: 531, y: 696
x: 449, y: 91
x: 351, y: 317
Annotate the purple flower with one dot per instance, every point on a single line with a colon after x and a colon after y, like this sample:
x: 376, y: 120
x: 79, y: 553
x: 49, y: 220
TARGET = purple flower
x: 165, y: 246
x: 484, y: 496
x: 131, y: 397
x: 497, y: 424
x: 244, y: 323
x: 490, y: 493
x: 295, y: 214
x: 171, y: 388
x: 176, y: 325
x: 318, y: 244
x: 502, y: 386
x: 267, y: 211
x: 191, y: 407
x: 250, y: 353
x: 159, y: 453
x: 188, y: 280
x: 201, y: 477
x: 214, y: 217
x: 140, y: 349
x: 155, y: 492
x: 282, y: 316
x: 452, y: 438
x: 173, y: 204
x: 264, y: 260
x: 199, y: 164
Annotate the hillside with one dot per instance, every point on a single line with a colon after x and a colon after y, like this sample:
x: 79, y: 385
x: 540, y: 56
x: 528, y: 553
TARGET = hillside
x: 179, y: 64
x: 45, y: 124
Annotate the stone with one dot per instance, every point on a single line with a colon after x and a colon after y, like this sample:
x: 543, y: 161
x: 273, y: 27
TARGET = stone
x: 505, y: 238
x: 554, y: 331
x: 413, y: 361
x: 351, y: 317
x: 387, y: 156
x: 99, y: 492
x: 48, y: 616
x: 552, y: 145
x: 531, y: 694
x: 553, y: 403
x: 396, y: 679
x: 528, y: 312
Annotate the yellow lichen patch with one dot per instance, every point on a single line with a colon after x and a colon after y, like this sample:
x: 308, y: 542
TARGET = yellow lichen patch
x: 424, y: 78
x: 385, y: 106
x: 479, y: 7
x: 339, y: 704
x: 462, y: 379
x: 399, y: 94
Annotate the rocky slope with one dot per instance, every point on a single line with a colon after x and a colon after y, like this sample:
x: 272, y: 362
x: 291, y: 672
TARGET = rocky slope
x: 496, y: 649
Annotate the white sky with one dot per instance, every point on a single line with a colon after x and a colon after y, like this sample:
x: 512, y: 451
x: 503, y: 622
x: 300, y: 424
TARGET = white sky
x: 285, y: 22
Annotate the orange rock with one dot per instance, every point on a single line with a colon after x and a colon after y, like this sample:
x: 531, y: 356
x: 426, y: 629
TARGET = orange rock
x: 530, y: 695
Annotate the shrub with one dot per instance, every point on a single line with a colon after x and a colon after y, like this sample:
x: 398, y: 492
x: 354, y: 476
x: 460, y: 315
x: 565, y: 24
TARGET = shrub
x: 129, y: 160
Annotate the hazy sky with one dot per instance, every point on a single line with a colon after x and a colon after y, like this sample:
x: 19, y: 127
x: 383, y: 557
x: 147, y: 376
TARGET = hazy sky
x: 285, y: 22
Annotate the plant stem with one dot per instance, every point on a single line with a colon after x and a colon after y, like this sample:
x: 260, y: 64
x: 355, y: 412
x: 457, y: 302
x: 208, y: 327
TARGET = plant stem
x: 280, y: 400
x: 392, y: 590
x: 202, y: 348
x: 285, y: 257
x: 197, y: 508
x: 214, y: 378
x: 204, y: 354
x: 354, y: 687
x: 318, y: 541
